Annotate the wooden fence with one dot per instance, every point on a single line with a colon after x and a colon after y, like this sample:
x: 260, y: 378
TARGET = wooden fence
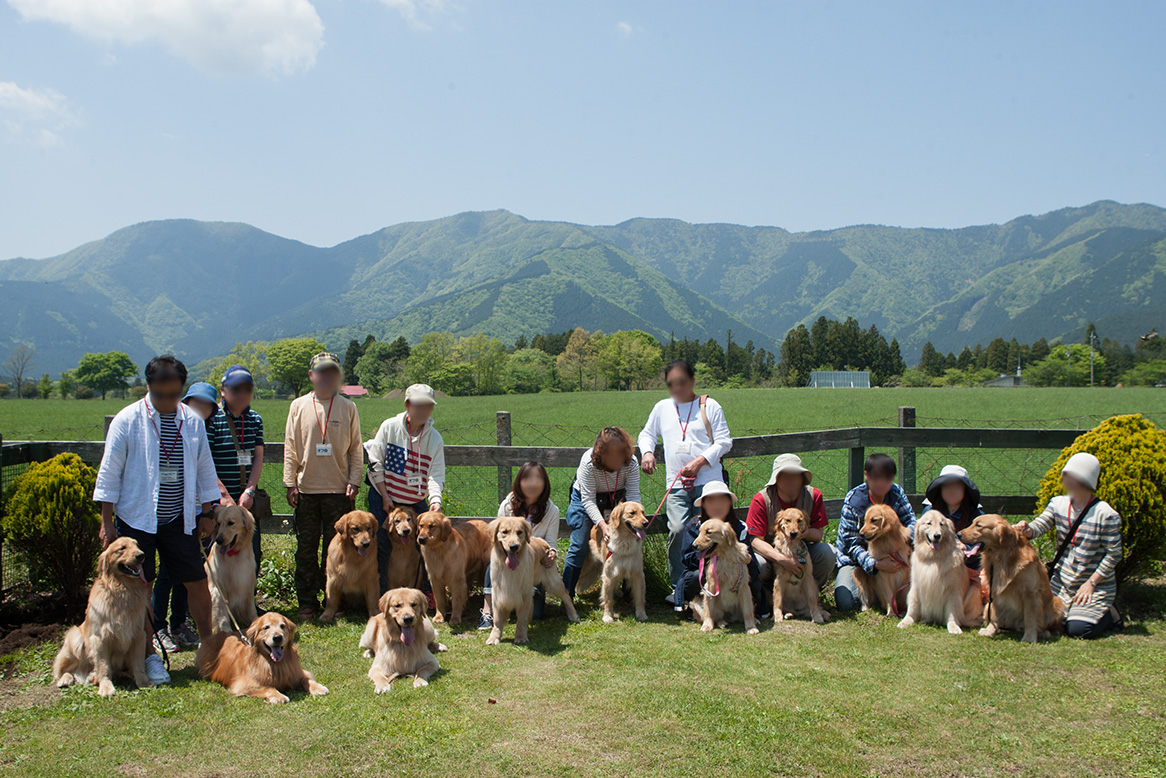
x: 906, y: 438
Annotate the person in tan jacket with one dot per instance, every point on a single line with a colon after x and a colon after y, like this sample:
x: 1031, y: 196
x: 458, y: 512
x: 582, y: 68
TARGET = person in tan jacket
x: 323, y: 463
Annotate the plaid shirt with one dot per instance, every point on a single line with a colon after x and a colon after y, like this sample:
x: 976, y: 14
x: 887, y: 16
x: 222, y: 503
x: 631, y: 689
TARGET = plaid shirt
x: 850, y: 545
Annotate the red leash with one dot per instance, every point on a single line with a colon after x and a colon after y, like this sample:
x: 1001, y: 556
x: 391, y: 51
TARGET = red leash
x: 661, y: 505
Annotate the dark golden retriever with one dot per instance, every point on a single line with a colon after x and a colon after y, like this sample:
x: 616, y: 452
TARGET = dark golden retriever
x: 266, y: 669
x: 1020, y: 597
x: 795, y: 595
x: 620, y: 559
x: 401, y: 640
x: 405, y: 561
x: 112, y: 639
x: 515, y: 569
x: 886, y: 538
x: 352, y: 563
x: 454, y: 556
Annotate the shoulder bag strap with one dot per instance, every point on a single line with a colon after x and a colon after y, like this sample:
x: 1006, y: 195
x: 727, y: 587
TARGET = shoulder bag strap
x: 238, y: 449
x: 705, y: 419
x: 1072, y: 531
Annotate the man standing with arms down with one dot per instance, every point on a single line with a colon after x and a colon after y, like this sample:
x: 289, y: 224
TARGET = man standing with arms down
x: 157, y: 485
x: 695, y: 437
x: 322, y: 468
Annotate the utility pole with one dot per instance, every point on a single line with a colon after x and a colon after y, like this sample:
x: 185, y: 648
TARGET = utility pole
x: 1069, y: 366
x: 1092, y: 338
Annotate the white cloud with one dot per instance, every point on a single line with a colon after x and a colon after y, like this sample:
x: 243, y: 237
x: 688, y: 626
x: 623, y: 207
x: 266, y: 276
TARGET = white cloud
x: 270, y: 37
x: 419, y: 13
x: 36, y: 116
x: 624, y: 29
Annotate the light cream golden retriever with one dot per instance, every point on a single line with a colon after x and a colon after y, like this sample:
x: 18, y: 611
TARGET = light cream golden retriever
x: 112, y: 639
x: 1018, y: 584
x: 795, y: 595
x: 620, y: 559
x: 405, y: 559
x: 352, y: 564
x: 401, y: 640
x: 940, y: 591
x: 230, y: 568
x: 724, y: 586
x: 265, y: 669
x: 515, y: 569
x: 886, y: 538
x: 454, y: 556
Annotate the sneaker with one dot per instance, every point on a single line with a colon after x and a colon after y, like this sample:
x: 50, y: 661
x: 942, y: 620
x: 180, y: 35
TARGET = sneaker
x: 164, y: 642
x: 487, y: 621
x: 156, y: 671
x: 186, y: 636
x: 670, y: 599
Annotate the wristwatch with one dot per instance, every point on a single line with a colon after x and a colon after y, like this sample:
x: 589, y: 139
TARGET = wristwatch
x: 250, y: 491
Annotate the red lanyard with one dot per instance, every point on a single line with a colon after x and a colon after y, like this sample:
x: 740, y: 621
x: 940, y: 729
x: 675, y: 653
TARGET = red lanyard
x: 409, y: 438
x: 611, y: 492
x: 327, y: 419
x: 1069, y: 518
x: 684, y: 424
x: 161, y: 445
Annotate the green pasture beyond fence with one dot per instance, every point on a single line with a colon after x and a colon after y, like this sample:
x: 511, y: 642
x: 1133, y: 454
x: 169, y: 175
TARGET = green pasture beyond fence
x: 1007, y: 464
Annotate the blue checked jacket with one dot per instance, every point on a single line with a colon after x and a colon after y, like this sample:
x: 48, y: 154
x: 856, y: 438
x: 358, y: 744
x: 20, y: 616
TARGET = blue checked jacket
x: 851, y: 548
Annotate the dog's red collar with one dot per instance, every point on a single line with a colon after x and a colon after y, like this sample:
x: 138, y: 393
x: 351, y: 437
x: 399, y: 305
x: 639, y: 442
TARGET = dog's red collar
x: 233, y: 552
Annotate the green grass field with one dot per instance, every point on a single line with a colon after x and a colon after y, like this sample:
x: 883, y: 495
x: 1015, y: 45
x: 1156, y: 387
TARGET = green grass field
x: 856, y: 697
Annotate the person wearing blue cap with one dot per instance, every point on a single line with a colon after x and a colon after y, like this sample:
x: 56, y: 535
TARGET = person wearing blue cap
x: 235, y: 435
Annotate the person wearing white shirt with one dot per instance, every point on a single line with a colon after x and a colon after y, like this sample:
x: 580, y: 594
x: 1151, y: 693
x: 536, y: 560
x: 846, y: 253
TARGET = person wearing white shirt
x: 157, y: 485
x: 695, y: 437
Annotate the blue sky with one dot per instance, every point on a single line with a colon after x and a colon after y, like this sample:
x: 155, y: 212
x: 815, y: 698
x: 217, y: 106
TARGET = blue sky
x: 324, y: 119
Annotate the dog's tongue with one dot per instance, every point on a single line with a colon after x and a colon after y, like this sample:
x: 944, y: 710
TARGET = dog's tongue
x: 407, y: 635
x: 934, y: 545
x: 142, y: 576
x: 971, y: 551
x: 222, y: 549
x: 276, y: 653
x: 641, y: 534
x: 512, y: 560
x: 362, y: 551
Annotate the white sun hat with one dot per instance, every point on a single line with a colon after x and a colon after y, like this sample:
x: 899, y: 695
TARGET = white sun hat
x: 1084, y: 467
x: 793, y: 463
x: 714, y: 487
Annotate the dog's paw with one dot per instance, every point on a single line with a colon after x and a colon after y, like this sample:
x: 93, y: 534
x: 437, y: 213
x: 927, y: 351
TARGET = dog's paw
x: 439, y: 648
x: 641, y: 616
x: 317, y: 689
x: 438, y: 618
x: 753, y: 631
x: 822, y: 618
x: 788, y: 616
x: 383, y: 687
x: 278, y: 699
x: 706, y: 627
x: 418, y: 682
x: 65, y: 680
x: 954, y: 629
x: 906, y: 622
x: 368, y: 654
x: 1028, y: 638
x: 105, y: 688
x: 520, y: 640
x: 987, y: 632
x: 494, y: 640
x: 608, y: 618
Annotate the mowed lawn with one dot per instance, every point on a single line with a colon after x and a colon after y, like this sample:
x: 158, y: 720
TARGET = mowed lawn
x: 855, y: 697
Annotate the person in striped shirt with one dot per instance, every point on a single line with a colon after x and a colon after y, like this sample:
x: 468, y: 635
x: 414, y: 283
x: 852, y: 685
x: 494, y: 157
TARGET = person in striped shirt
x: 406, y: 466
x: 238, y: 468
x: 608, y: 474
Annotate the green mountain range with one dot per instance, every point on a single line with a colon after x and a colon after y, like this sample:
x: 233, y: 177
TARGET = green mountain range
x: 199, y: 287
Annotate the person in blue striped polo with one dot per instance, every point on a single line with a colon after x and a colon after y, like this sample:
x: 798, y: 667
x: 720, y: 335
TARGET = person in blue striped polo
x: 235, y: 435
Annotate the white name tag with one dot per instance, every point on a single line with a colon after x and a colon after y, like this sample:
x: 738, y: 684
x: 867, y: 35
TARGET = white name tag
x: 171, y: 475
x: 245, y: 459
x: 684, y: 448
x: 323, y: 449
x: 413, y: 480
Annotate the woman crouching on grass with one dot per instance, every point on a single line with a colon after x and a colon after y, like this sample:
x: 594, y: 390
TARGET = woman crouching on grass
x: 530, y: 498
x: 1084, y: 575
x: 957, y: 497
x: 715, y: 502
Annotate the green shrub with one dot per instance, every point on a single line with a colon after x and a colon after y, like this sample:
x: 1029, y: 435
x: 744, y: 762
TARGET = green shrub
x: 83, y: 392
x: 277, y: 576
x: 1132, y: 452
x: 51, y: 520
x: 5, y: 390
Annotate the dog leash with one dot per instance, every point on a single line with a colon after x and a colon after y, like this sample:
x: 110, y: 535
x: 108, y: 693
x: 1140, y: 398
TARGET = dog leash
x: 665, y: 499
x: 226, y: 603
x: 713, y: 572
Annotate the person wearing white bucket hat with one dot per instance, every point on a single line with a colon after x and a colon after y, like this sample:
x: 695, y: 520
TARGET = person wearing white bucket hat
x: 696, y: 437
x: 789, y: 487
x: 1088, y: 543
x: 715, y: 501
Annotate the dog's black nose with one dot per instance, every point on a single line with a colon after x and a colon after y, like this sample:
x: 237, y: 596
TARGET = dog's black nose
x: 139, y: 557
x: 514, y: 547
x: 406, y: 531
x: 422, y: 540
x: 364, y: 544
x: 277, y: 639
x: 408, y: 620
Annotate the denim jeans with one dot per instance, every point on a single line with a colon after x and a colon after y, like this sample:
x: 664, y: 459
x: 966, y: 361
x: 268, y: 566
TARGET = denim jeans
x: 580, y: 524
x: 166, y: 594
x: 376, y: 506
x: 846, y: 589
x: 679, y: 508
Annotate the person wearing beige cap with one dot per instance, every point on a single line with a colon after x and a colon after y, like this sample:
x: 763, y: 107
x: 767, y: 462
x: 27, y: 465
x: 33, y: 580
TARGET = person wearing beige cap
x: 789, y: 487
x: 322, y: 465
x: 1088, y: 549
x: 406, y: 466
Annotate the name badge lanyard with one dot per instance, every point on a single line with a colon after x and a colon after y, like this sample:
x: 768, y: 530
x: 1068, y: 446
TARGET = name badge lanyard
x: 610, y: 491
x: 684, y: 435
x: 157, y: 429
x: 327, y: 419
x: 416, y: 463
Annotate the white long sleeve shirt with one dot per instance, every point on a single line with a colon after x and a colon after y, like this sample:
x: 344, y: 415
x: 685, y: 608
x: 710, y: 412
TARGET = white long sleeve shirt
x: 130, y: 476
x: 685, y: 438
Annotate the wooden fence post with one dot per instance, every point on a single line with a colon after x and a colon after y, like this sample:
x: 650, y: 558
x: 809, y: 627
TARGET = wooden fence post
x: 907, y: 454
x: 857, y: 460
x: 1, y: 533
x: 108, y: 421
x: 505, y: 475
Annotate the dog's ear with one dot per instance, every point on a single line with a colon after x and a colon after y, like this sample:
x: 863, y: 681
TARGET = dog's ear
x: 446, y: 526
x: 289, y: 626
x: 252, y: 632
x: 383, y: 603
x: 387, y: 524
x: 105, y: 563
x: 248, y: 520
x: 617, y: 515
x: 949, y: 525
x: 421, y: 603
x: 341, y: 524
x: 492, y: 529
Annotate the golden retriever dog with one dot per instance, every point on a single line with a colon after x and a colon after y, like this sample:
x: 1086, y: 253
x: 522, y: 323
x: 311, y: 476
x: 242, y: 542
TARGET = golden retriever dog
x: 401, y: 640
x: 886, y: 538
x: 621, y: 559
x: 453, y: 556
x: 724, y: 586
x: 795, y: 595
x: 515, y: 569
x: 352, y: 563
x: 112, y: 639
x: 1020, y: 597
x: 405, y: 561
x: 230, y: 568
x: 267, y: 668
x: 940, y: 592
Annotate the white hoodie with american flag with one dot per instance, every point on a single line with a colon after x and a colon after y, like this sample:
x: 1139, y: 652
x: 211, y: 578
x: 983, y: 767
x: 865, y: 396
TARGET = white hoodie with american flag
x: 411, y: 468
